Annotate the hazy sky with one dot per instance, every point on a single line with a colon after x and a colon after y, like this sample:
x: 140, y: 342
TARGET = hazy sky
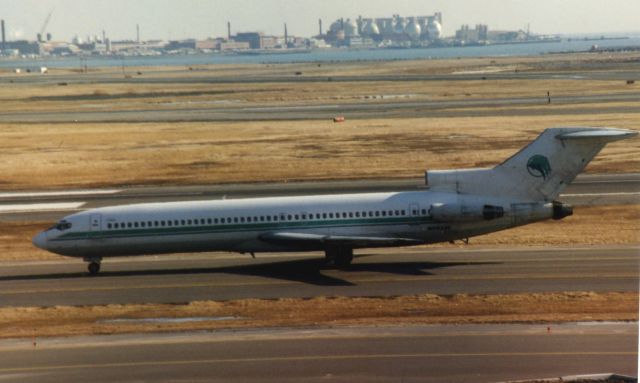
x: 176, y: 19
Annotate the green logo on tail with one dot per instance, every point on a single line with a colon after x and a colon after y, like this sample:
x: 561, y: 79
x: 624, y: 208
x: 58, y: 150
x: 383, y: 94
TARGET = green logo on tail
x: 538, y: 166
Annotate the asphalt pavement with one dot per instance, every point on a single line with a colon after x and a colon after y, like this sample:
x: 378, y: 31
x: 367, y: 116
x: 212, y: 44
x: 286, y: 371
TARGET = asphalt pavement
x: 576, y: 104
x: 182, y: 278
x: 437, y: 353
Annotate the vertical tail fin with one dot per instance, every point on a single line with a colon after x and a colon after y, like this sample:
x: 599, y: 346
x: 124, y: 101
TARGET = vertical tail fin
x: 538, y: 172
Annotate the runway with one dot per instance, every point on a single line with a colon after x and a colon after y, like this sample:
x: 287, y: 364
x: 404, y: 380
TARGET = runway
x: 576, y: 104
x: 384, y: 272
x: 586, y: 190
x: 461, y: 353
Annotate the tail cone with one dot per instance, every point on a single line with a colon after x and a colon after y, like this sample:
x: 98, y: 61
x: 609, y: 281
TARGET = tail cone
x: 561, y: 210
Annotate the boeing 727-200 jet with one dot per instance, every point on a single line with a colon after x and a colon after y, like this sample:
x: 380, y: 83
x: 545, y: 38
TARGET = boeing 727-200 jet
x: 456, y: 204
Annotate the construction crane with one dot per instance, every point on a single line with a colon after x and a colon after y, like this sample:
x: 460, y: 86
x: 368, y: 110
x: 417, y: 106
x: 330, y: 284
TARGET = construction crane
x: 44, y: 26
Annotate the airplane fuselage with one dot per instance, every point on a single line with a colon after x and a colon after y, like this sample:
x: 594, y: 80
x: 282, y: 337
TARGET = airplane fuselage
x: 238, y: 225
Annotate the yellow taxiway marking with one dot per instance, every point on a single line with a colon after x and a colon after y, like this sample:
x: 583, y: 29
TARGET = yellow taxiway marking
x: 311, y: 358
x: 424, y: 278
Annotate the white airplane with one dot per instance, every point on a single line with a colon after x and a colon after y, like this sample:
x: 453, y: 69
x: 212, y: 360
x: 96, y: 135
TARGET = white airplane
x: 457, y: 204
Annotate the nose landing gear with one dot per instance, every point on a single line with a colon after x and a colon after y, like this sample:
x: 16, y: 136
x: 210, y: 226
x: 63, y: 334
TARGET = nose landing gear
x: 94, y: 265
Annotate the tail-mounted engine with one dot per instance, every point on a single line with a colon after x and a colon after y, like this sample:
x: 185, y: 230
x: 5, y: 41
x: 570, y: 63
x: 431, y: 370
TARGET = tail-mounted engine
x: 465, y: 213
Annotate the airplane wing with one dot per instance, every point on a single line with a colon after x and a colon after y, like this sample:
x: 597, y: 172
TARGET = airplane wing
x: 284, y: 238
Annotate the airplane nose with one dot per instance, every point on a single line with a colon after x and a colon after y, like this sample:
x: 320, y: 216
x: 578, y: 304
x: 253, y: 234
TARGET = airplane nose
x: 40, y: 240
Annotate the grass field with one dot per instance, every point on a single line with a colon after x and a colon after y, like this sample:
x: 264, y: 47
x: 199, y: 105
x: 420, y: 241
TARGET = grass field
x: 50, y: 156
x: 545, y: 308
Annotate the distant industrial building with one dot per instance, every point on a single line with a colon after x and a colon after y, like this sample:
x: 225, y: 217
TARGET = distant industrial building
x: 482, y: 35
x: 257, y: 40
x: 24, y: 47
x: 395, y: 30
x: 475, y: 35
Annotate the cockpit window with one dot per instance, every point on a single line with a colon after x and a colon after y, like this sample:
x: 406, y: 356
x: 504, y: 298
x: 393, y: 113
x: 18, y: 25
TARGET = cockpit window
x: 62, y: 225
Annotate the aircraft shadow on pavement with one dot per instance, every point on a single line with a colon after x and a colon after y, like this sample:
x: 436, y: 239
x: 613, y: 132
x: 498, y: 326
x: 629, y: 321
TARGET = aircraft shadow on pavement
x: 309, y: 271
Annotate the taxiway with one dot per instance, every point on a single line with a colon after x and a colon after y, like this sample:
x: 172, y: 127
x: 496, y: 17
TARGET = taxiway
x: 461, y: 353
x: 382, y: 272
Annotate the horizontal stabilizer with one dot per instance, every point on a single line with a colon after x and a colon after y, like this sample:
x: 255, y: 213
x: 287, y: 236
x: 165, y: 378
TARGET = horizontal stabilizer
x: 606, y: 134
x: 284, y: 238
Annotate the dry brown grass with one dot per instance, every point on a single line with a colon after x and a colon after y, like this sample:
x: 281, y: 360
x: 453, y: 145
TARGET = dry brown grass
x: 590, y: 225
x: 323, y: 311
x: 44, y: 156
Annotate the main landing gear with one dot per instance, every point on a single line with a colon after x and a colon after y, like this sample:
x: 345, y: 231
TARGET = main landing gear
x: 94, y: 265
x: 339, y: 257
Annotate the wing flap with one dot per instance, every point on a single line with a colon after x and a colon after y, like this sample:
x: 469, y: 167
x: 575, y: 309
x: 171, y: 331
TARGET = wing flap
x: 284, y: 238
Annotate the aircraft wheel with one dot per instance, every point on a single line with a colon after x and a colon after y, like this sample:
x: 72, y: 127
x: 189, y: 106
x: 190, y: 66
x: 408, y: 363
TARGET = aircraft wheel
x: 341, y: 258
x: 94, y: 268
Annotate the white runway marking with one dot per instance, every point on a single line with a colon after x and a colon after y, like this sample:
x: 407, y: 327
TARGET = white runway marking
x: 61, y: 193
x: 40, y: 207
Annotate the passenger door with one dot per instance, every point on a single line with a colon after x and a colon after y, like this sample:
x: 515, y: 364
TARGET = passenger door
x: 95, y: 225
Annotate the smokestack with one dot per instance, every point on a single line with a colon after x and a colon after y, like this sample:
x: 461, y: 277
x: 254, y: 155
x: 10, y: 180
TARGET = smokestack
x: 3, y: 36
x: 138, y: 33
x: 228, y: 30
x: 286, y: 36
x: 320, y: 27
x: 104, y: 36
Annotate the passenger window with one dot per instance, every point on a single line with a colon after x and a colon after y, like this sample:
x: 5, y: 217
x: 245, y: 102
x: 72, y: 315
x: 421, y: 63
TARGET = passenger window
x: 377, y: 213
x: 241, y: 219
x: 108, y: 226
x: 384, y: 213
x: 424, y: 211
x: 403, y: 213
